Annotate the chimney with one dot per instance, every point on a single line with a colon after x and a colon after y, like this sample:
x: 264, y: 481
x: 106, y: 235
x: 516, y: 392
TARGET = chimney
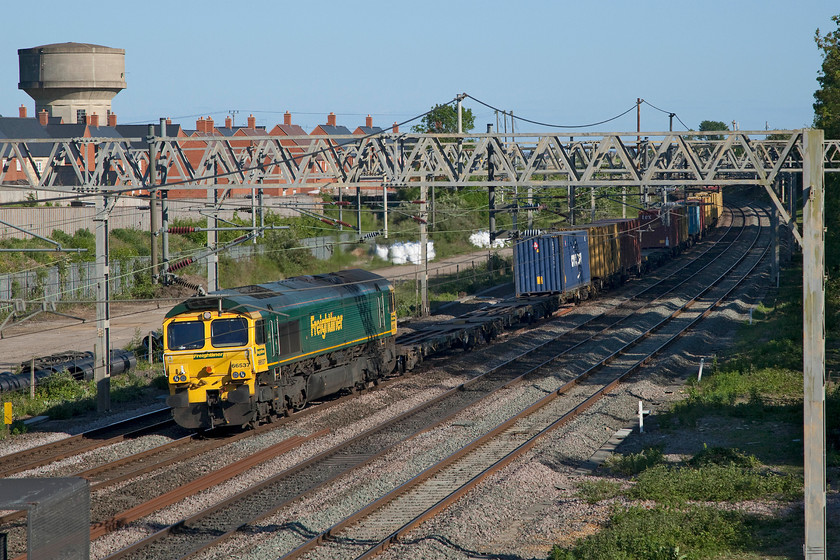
x: 369, y: 122
x: 208, y: 125
x: 88, y: 119
x: 228, y: 122
x: 331, y: 119
x: 252, y: 121
x: 94, y: 120
x: 43, y: 117
x: 395, y: 128
x: 22, y: 111
x: 287, y: 118
x: 199, y: 124
x: 168, y: 122
x: 112, y: 119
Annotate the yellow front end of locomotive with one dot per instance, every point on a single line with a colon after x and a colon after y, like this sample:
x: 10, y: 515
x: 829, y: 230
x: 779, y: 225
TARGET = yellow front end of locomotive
x: 211, y: 361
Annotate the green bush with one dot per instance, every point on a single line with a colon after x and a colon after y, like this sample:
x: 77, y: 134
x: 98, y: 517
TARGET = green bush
x: 635, y: 463
x: 662, y: 533
x: 597, y: 490
x: 716, y: 483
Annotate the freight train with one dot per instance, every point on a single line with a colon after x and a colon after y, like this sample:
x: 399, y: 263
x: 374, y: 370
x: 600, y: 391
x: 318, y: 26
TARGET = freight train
x: 583, y: 259
x: 243, y: 355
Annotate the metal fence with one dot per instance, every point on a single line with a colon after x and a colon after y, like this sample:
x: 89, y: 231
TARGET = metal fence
x: 76, y: 281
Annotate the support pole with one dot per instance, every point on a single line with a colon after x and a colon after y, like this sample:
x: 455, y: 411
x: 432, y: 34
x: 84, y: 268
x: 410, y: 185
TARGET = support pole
x: 213, y: 223
x: 491, y: 190
x: 384, y: 206
x: 164, y: 217
x: 624, y: 201
x: 102, y: 346
x: 359, y: 210
x: 813, y: 310
x: 424, y: 254
x: 154, y: 212
x: 774, y: 234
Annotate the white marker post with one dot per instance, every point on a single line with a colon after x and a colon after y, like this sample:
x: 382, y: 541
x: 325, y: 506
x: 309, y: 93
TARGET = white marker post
x: 642, y: 414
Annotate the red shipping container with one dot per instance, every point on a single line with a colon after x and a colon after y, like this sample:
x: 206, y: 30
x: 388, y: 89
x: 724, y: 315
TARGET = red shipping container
x: 657, y: 235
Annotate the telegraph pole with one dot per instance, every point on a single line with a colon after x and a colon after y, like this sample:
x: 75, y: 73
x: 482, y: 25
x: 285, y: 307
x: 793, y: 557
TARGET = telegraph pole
x: 813, y: 312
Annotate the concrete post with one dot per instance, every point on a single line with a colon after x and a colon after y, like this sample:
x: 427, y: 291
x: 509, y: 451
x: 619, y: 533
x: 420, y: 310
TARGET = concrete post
x: 813, y: 309
x: 102, y: 346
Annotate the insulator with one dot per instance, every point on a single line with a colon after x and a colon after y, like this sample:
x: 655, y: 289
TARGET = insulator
x: 345, y: 224
x: 187, y: 284
x: 181, y: 264
x: 370, y: 235
x: 181, y: 229
x: 530, y: 233
x: 419, y: 220
x: 340, y: 203
x: 328, y: 222
x: 418, y: 202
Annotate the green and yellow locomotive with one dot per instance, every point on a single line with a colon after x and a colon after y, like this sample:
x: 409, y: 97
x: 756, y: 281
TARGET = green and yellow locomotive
x: 242, y: 355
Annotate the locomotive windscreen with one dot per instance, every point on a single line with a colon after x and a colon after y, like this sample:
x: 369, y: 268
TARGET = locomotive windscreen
x: 229, y: 332
x: 187, y: 335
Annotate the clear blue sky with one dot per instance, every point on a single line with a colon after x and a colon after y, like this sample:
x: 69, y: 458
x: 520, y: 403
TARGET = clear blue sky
x: 568, y: 62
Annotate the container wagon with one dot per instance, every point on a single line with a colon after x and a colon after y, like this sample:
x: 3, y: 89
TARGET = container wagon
x: 552, y: 263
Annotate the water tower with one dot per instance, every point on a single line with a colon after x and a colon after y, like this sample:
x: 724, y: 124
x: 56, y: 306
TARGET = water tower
x: 72, y: 80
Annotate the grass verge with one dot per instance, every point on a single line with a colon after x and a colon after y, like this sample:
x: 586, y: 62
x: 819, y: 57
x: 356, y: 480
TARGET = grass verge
x: 721, y: 502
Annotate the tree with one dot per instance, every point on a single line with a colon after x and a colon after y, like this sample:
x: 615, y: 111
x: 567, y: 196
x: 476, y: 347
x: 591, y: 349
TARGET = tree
x: 827, y: 117
x: 827, y: 105
x: 712, y: 125
x: 444, y: 118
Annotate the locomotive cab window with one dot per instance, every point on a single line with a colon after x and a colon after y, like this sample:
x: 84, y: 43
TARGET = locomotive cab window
x: 259, y: 332
x: 229, y: 332
x: 185, y: 335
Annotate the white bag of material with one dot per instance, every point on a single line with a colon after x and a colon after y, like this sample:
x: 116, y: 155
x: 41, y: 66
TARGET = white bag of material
x: 481, y: 239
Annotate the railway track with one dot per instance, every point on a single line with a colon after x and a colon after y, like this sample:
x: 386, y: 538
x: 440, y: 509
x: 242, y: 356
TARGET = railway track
x: 134, y: 427
x: 370, y: 530
x: 226, y: 518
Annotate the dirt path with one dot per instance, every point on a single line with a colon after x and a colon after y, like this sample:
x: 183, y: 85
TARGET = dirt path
x: 49, y: 334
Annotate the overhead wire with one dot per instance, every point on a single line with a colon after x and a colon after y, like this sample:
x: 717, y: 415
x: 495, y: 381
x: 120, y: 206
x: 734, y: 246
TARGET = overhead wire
x: 550, y: 125
x: 646, y: 102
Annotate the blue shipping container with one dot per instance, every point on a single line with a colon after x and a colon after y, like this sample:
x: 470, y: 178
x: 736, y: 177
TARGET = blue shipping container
x: 693, y: 213
x: 555, y: 262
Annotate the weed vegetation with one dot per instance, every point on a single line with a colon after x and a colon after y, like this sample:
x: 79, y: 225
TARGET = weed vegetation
x: 697, y: 507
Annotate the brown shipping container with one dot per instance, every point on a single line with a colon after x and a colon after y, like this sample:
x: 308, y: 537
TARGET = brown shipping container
x: 604, y: 251
x: 655, y: 234
x: 630, y: 250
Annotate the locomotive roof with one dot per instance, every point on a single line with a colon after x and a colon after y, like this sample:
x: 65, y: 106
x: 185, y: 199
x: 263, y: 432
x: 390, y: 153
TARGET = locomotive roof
x: 285, y: 294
